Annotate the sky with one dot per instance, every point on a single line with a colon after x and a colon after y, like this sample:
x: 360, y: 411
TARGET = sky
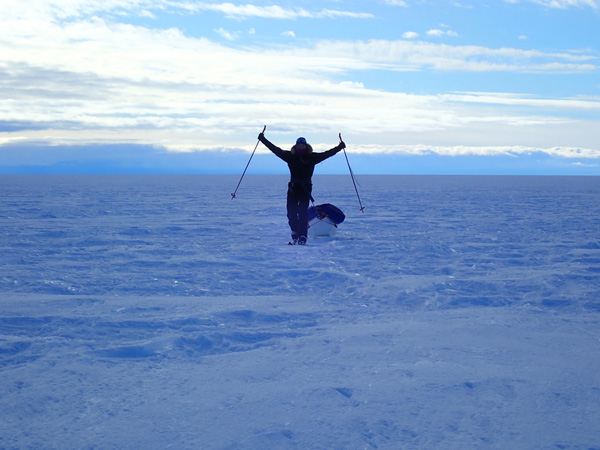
x: 413, y: 86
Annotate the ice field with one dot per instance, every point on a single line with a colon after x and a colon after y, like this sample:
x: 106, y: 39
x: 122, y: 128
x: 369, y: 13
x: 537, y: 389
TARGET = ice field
x: 155, y: 312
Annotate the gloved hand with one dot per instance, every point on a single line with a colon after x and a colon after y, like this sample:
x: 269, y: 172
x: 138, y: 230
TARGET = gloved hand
x: 342, y: 145
x: 261, y: 136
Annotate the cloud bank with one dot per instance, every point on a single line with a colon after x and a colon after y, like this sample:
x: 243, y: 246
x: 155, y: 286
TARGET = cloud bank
x: 79, y: 72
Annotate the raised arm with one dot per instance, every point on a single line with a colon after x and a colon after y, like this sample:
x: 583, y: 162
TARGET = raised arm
x: 279, y: 152
x: 320, y: 157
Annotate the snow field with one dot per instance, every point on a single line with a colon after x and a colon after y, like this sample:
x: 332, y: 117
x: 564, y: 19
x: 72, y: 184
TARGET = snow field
x: 155, y: 312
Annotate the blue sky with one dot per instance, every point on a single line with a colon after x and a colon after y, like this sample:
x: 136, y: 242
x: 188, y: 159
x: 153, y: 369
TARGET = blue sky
x: 414, y: 86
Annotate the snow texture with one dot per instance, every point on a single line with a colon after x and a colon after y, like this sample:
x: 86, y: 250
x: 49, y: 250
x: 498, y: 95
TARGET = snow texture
x: 155, y: 312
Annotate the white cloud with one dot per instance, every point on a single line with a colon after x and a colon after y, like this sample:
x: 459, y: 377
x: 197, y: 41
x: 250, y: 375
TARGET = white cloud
x: 460, y: 5
x: 269, y: 12
x: 396, y: 3
x: 288, y: 34
x: 147, y: 14
x: 463, y: 150
x: 435, y: 33
x: 8, y: 139
x: 440, y: 33
x: 499, y: 98
x: 229, y: 35
x: 64, y: 9
x: 410, y: 35
x: 563, y: 4
x: 90, y: 79
x: 406, y: 55
x: 329, y: 13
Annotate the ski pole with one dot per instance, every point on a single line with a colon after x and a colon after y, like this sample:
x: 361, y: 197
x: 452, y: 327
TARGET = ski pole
x: 244, y: 173
x: 362, y: 208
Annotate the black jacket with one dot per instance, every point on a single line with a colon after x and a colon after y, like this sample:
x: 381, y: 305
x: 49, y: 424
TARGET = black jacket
x: 301, y: 167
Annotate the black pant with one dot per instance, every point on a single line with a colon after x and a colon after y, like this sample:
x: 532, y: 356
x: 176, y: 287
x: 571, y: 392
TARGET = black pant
x: 298, y: 197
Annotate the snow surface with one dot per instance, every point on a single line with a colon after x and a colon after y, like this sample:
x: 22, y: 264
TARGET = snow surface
x: 154, y: 312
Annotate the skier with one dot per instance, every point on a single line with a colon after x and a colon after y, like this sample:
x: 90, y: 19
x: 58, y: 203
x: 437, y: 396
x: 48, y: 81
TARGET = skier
x: 301, y: 161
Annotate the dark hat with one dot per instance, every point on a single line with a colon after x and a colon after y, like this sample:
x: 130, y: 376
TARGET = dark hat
x: 305, y: 149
